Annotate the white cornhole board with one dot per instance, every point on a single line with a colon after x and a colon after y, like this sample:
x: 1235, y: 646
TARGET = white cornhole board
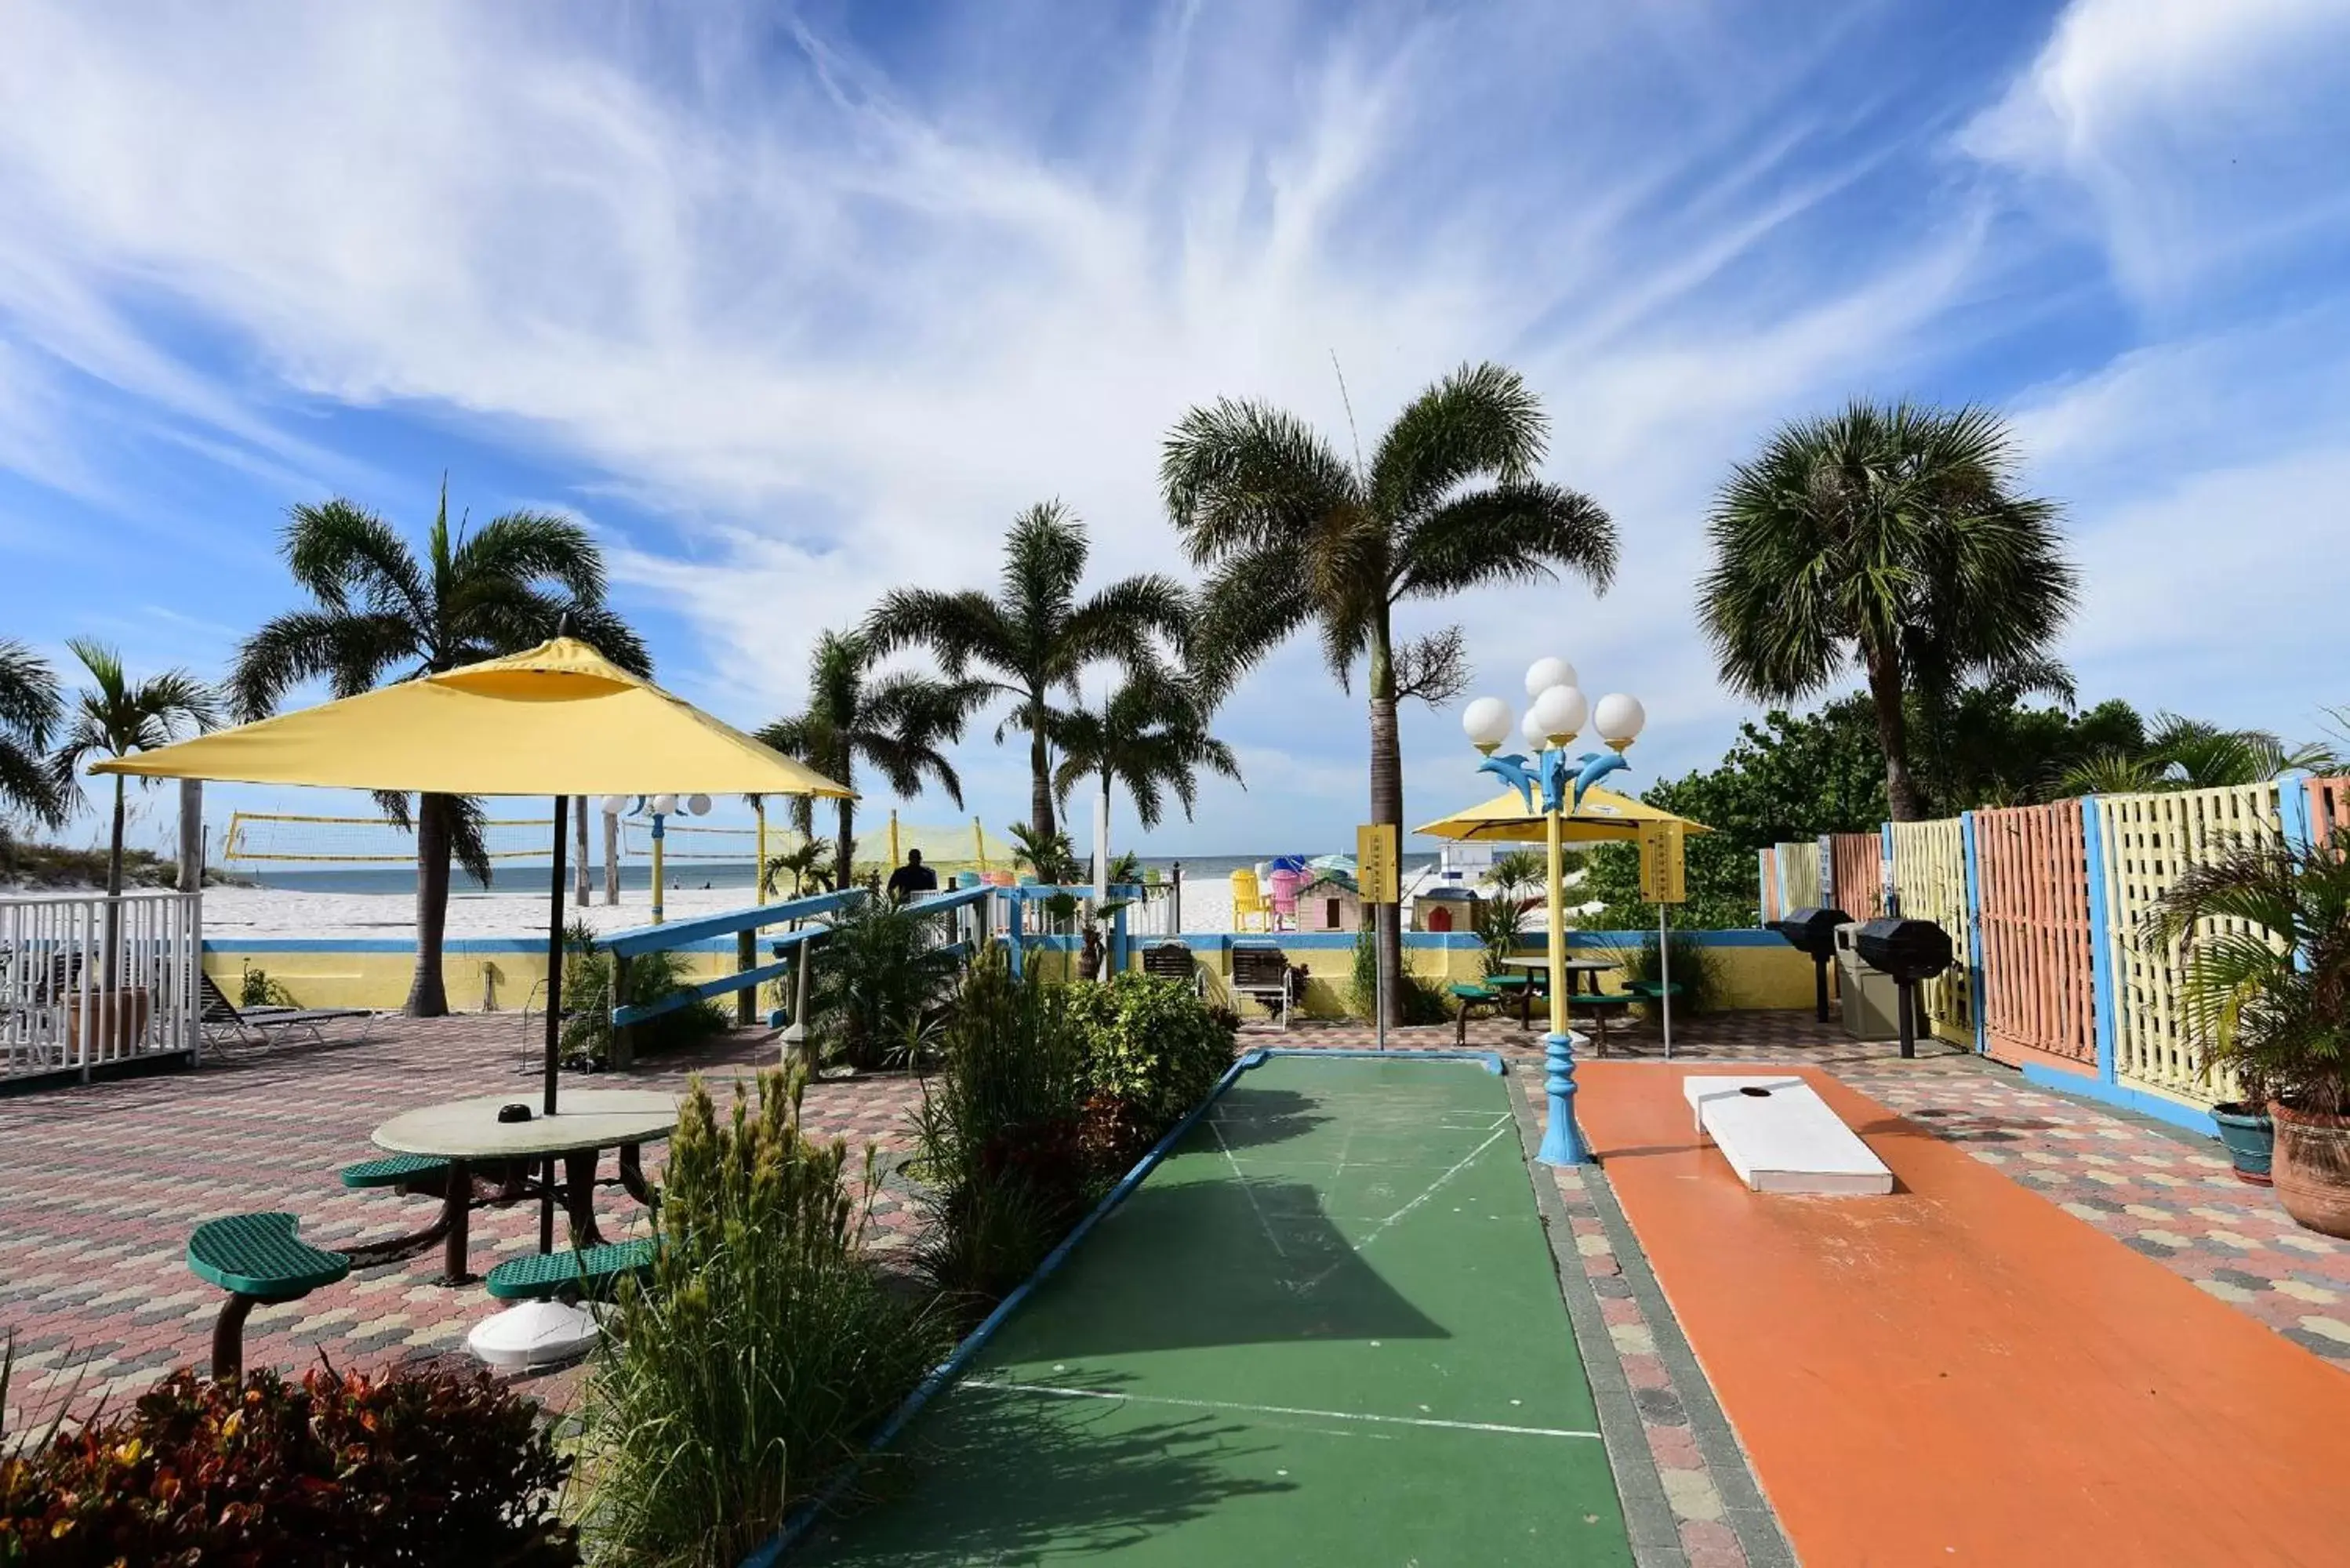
x: 1785, y: 1139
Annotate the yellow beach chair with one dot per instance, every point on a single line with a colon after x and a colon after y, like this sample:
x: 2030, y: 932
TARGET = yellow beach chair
x: 1248, y: 903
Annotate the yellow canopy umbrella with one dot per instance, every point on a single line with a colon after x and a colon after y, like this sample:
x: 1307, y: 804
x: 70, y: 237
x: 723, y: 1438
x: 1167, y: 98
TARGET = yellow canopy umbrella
x: 1602, y: 815
x: 558, y: 720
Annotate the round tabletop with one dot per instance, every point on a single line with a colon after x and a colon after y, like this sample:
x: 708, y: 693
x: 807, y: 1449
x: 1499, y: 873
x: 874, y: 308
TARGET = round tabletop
x: 1589, y: 966
x: 584, y: 1119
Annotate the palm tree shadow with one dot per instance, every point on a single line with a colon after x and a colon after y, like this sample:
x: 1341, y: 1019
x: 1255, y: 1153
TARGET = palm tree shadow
x: 1248, y: 1118
x: 1001, y: 1476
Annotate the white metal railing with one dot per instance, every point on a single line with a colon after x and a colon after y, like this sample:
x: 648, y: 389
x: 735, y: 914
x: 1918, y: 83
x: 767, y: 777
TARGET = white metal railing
x: 87, y: 981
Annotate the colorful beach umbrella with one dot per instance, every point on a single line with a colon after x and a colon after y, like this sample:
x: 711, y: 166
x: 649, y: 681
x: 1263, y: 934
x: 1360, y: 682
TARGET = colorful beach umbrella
x: 558, y: 720
x: 1602, y: 815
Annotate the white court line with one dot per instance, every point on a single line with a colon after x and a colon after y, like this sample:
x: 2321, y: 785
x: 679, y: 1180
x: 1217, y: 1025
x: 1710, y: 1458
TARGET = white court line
x: 1241, y: 1177
x: 1059, y: 1393
x: 1381, y: 1228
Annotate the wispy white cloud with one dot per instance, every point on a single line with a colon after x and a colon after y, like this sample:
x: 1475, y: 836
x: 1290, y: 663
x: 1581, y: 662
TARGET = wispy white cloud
x: 810, y: 312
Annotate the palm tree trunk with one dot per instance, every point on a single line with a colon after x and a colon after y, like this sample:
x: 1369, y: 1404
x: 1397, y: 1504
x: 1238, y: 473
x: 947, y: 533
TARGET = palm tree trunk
x: 844, y: 843
x: 1386, y: 806
x: 110, y: 954
x: 1901, y: 795
x: 580, y: 855
x: 428, y: 996
x: 1040, y: 778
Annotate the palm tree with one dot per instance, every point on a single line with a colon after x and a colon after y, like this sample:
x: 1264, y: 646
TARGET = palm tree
x: 1150, y: 734
x: 381, y: 614
x: 896, y: 722
x: 1294, y: 535
x: 112, y: 717
x: 1893, y: 538
x: 1034, y: 637
x: 2188, y: 753
x: 30, y: 710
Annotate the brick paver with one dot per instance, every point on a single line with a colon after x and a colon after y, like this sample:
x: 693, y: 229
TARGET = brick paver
x: 102, y: 1185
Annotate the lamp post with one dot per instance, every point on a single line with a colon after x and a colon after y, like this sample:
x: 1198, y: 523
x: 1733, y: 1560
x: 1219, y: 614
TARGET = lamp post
x: 1554, y: 716
x: 659, y: 807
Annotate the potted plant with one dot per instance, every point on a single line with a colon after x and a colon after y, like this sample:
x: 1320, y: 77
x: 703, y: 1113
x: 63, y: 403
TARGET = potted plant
x: 2266, y: 934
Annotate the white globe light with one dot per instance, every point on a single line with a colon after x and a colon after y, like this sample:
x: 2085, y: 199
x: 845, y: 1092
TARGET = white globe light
x: 699, y: 805
x: 1561, y: 711
x: 614, y: 805
x: 663, y: 805
x: 1487, y: 721
x: 1545, y: 673
x: 1619, y: 718
x: 1536, y: 736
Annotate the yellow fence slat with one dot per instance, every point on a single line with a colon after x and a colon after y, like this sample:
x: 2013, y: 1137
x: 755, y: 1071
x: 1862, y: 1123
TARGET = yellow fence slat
x: 2150, y: 840
x: 1799, y: 872
x: 1929, y: 879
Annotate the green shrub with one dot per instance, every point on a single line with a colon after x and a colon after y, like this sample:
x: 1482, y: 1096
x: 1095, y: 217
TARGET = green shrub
x: 1500, y: 922
x: 761, y: 1353
x: 414, y: 1466
x: 1423, y: 1000
x: 1695, y: 970
x: 1002, y: 1131
x: 588, y: 1000
x: 1151, y: 1045
x: 256, y: 989
x: 877, y: 973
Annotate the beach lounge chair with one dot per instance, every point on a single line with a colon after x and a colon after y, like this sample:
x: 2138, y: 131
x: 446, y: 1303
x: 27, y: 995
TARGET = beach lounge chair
x: 1249, y: 911
x: 1173, y: 960
x: 1261, y: 972
x: 226, y: 1023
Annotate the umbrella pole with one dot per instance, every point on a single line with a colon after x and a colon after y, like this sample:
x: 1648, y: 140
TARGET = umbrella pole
x: 555, y: 948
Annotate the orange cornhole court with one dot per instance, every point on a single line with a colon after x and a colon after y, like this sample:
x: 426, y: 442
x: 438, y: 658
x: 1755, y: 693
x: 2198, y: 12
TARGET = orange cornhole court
x: 1962, y: 1372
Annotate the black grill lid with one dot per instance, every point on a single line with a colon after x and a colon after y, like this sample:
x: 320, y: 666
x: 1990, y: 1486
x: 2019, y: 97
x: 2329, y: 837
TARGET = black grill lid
x: 1812, y: 931
x: 1906, y: 949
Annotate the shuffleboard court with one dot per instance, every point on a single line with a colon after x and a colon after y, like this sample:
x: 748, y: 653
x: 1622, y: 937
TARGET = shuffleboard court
x: 1327, y: 1328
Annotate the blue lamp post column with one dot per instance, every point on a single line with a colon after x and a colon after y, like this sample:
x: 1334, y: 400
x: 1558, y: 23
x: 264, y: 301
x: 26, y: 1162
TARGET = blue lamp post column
x: 1553, y: 721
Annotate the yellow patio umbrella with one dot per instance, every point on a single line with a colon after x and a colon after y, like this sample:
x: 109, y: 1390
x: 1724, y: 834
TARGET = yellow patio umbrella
x: 1602, y: 815
x: 558, y: 720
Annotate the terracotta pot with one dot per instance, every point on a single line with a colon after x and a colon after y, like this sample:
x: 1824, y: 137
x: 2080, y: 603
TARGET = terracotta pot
x: 2312, y: 1169
x: 121, y: 1020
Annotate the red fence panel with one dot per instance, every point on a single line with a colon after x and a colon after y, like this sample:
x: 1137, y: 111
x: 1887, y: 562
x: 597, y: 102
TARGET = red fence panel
x: 2034, y: 902
x: 1859, y: 873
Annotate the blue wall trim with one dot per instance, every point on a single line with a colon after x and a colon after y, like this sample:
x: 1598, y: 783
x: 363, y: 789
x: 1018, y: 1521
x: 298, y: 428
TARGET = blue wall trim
x: 803, y: 1518
x: 2121, y: 1095
x: 1975, y: 988
x: 2293, y: 809
x: 2101, y: 958
x: 1885, y: 863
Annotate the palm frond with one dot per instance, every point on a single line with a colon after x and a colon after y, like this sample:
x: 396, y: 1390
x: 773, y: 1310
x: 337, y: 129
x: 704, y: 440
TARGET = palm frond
x: 339, y: 551
x: 30, y: 705
x: 1520, y: 531
x: 351, y: 650
x: 1482, y: 422
x: 1238, y: 477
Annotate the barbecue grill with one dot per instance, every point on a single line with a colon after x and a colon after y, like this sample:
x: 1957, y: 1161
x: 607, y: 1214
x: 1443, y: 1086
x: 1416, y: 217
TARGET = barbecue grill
x: 1908, y: 951
x: 1813, y: 932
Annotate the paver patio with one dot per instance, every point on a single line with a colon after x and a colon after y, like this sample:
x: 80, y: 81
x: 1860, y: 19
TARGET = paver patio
x: 102, y: 1185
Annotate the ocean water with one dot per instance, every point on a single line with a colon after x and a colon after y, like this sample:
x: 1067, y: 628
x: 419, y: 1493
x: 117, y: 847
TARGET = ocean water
x: 525, y: 878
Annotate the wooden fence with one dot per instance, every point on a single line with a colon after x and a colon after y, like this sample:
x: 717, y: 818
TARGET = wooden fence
x: 2149, y: 841
x: 1857, y: 861
x: 2031, y: 862
x: 1930, y: 879
x: 1768, y: 861
x: 1799, y: 872
x: 2329, y: 808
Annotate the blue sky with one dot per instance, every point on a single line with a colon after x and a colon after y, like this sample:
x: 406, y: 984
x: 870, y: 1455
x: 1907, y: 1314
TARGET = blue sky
x: 793, y: 305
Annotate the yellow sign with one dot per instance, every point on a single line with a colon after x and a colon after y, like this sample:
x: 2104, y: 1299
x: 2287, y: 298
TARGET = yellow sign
x: 1663, y: 878
x: 1376, y: 868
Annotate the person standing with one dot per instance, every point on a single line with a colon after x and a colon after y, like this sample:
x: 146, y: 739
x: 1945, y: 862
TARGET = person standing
x: 912, y: 877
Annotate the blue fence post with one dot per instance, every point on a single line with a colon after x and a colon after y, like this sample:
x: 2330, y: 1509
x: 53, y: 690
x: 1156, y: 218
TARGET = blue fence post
x: 1885, y: 867
x: 1117, y: 934
x: 2102, y: 988
x: 2294, y: 813
x: 1975, y: 1000
x: 1018, y: 924
x: 1827, y: 871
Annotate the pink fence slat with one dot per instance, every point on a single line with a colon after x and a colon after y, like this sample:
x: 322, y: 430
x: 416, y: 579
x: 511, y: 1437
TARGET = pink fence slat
x: 1860, y: 874
x: 2035, y: 896
x: 2329, y: 808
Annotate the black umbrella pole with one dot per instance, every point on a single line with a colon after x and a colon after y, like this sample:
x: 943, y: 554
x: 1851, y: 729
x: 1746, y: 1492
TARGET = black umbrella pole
x: 554, y: 948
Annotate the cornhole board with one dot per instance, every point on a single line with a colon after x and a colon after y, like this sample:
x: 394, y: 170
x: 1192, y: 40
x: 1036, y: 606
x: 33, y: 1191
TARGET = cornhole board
x: 1781, y: 1136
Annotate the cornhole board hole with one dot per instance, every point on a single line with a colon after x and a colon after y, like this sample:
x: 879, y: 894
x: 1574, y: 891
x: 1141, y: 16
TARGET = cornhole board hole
x: 1780, y: 1136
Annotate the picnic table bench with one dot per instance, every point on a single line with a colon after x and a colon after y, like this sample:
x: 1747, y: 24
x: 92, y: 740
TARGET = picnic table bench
x: 259, y: 1259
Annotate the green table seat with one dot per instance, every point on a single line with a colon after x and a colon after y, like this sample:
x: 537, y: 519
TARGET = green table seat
x: 1468, y: 995
x: 256, y: 1258
x: 420, y: 1172
x: 589, y: 1270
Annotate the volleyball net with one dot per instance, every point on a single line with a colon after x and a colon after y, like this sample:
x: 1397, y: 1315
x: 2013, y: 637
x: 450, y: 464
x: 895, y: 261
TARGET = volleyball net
x: 287, y: 839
